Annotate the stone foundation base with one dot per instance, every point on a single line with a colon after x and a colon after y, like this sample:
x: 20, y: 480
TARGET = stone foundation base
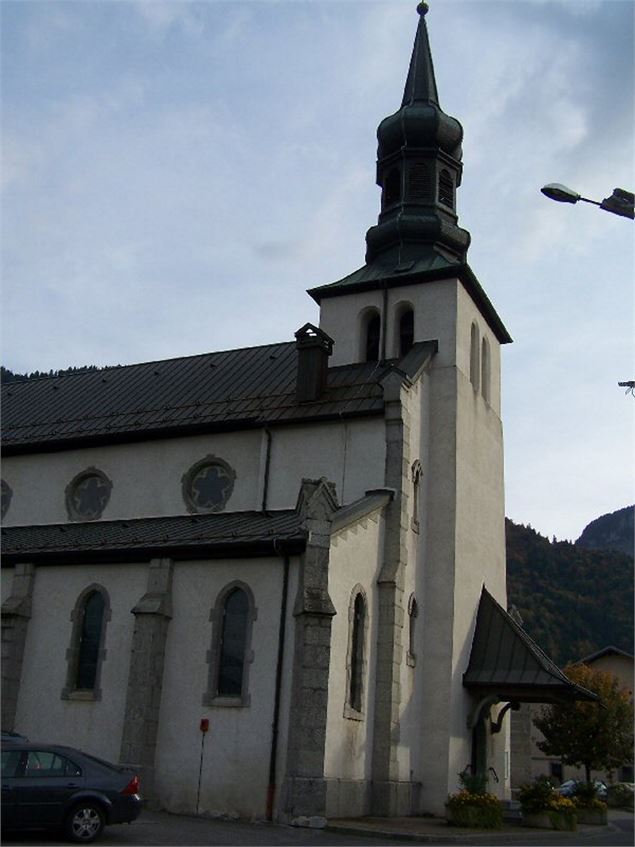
x: 356, y: 798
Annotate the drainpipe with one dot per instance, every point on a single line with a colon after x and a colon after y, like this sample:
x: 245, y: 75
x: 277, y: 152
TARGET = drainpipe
x: 384, y: 321
x: 265, y: 484
x: 271, y: 788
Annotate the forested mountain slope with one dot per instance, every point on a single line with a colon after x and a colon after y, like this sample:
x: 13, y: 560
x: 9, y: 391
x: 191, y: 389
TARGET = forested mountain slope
x: 573, y: 600
x: 615, y: 531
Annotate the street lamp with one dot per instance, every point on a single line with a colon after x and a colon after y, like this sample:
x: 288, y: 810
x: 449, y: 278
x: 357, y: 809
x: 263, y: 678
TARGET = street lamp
x: 620, y: 202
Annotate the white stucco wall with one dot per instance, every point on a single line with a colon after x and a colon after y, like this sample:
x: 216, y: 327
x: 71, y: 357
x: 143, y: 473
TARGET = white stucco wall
x: 461, y: 547
x: 434, y: 305
x: 348, y: 453
x: 94, y: 726
x: 355, y: 559
x: 235, y: 768
x: 147, y: 477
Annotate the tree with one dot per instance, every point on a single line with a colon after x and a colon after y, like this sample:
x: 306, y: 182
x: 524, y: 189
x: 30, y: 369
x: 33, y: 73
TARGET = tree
x: 594, y: 735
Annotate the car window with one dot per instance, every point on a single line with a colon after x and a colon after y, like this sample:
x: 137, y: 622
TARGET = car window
x: 10, y: 762
x: 104, y: 764
x: 46, y: 763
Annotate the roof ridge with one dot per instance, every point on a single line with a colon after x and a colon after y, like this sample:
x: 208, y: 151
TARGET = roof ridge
x: 106, y: 368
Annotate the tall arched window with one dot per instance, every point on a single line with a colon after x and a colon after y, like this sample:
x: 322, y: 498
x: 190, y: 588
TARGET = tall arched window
x: 356, y: 653
x: 485, y: 370
x: 370, y: 335
x: 230, y: 656
x: 406, y: 331
x: 90, y: 640
x: 232, y: 644
x: 474, y: 356
x: 86, y: 652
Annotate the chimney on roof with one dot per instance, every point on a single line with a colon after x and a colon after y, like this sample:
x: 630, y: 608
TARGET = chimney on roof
x: 314, y: 348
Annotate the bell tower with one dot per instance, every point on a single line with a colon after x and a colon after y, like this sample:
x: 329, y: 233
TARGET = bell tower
x: 416, y: 299
x: 380, y: 310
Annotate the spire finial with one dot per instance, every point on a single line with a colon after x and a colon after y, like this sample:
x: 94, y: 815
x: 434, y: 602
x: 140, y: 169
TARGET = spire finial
x: 420, y: 84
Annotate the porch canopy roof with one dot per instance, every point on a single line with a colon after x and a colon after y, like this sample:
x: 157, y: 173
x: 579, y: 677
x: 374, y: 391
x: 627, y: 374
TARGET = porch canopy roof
x: 508, y: 665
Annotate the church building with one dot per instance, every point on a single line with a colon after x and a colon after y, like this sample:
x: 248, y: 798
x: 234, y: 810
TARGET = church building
x: 273, y: 578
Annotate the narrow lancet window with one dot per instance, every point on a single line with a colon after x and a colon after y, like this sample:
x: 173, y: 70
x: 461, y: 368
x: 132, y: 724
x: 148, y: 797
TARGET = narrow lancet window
x: 485, y: 370
x: 413, y: 613
x: 474, y: 357
x: 357, y: 653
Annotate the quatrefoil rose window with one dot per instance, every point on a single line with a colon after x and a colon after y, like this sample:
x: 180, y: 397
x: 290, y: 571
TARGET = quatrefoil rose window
x: 87, y: 495
x: 208, y: 485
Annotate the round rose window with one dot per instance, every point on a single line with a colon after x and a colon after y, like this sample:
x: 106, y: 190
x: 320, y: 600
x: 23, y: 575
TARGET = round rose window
x: 208, y: 485
x: 87, y: 495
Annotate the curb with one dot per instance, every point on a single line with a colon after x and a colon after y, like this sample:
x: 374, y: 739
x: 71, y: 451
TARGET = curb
x: 488, y: 837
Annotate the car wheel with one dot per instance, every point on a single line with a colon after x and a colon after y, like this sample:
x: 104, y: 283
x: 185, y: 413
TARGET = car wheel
x: 84, y: 823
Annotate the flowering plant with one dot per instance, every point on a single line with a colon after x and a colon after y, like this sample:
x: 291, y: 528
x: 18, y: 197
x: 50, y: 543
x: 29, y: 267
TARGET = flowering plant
x: 473, y: 806
x: 561, y: 804
x: 589, y: 803
x: 466, y: 798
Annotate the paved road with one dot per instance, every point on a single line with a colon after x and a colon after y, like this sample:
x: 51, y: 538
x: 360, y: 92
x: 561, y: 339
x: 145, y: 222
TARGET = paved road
x: 163, y: 830
x: 160, y: 829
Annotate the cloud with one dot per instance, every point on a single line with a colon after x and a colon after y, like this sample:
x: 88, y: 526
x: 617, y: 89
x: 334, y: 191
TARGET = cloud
x: 160, y: 16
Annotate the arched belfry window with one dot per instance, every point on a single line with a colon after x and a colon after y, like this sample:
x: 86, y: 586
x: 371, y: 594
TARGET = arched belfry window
x: 391, y: 193
x: 485, y: 370
x: 370, y: 335
x: 356, y: 655
x: 406, y: 331
x: 446, y: 189
x: 86, y: 653
x: 231, y: 655
x: 474, y: 356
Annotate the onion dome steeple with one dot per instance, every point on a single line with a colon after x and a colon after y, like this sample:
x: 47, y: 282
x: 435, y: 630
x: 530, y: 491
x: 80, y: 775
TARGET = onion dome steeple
x: 418, y: 169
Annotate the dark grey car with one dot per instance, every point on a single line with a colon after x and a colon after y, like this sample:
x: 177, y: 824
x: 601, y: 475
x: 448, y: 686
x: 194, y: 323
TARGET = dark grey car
x: 49, y: 786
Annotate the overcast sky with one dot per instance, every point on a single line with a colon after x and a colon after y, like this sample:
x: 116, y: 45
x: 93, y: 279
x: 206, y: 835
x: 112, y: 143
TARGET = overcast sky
x: 177, y: 174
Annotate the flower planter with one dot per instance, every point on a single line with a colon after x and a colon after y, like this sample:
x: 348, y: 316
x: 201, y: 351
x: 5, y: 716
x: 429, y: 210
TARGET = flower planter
x: 549, y: 819
x: 473, y: 817
x: 597, y: 817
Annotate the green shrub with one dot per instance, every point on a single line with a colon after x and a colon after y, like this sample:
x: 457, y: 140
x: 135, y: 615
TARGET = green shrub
x: 536, y: 796
x: 586, y: 796
x: 620, y: 796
